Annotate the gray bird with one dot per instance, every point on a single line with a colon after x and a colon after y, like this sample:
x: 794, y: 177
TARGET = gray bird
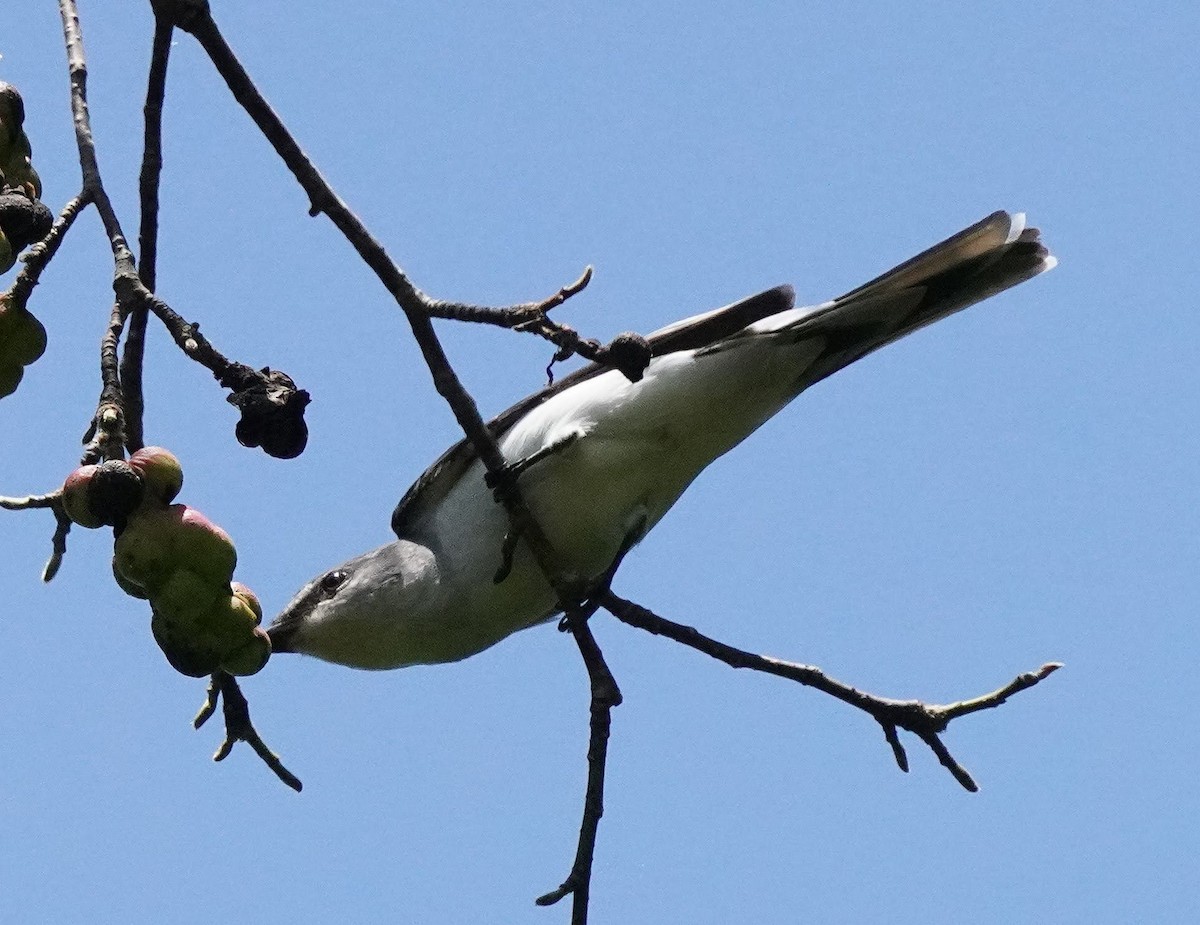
x: 616, y: 456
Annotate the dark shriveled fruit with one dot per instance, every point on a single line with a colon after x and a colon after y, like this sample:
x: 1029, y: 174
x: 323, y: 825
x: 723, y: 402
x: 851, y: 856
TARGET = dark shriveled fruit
x: 115, y: 491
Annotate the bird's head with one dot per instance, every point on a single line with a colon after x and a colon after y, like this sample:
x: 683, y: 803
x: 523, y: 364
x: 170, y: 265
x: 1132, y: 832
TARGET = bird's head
x: 356, y: 613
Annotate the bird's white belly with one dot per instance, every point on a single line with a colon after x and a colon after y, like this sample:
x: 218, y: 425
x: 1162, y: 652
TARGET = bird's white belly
x: 634, y: 448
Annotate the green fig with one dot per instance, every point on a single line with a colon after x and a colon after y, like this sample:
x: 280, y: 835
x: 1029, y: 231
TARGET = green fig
x: 158, y: 540
x: 192, y: 604
x: 12, y: 111
x: 249, y: 658
x: 18, y: 168
x: 22, y: 336
x: 144, y: 553
x: 249, y: 598
x: 133, y: 590
x: 185, y: 655
x: 29, y: 340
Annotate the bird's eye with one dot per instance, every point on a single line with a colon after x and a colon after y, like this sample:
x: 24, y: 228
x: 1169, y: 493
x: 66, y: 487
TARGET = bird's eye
x: 333, y: 580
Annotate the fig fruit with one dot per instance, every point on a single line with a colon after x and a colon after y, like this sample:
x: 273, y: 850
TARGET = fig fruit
x: 205, y: 547
x: 157, y: 541
x: 250, y: 599
x: 160, y: 471
x: 11, y: 375
x: 184, y: 653
x: 22, y: 336
x: 251, y: 657
x: 114, y: 492
x: 133, y: 590
x: 192, y: 604
x: 76, y: 497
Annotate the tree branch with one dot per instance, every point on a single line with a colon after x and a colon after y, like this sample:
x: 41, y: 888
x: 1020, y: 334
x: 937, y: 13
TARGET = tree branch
x: 926, y: 721
x: 41, y: 253
x: 133, y: 355
x: 238, y: 727
x: 605, y: 694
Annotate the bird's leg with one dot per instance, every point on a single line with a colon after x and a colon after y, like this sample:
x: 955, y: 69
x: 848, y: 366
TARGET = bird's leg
x: 926, y: 721
x: 503, y: 483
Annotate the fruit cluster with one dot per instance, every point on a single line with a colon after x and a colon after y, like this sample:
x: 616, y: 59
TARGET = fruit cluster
x: 174, y: 557
x: 22, y: 341
x: 16, y: 169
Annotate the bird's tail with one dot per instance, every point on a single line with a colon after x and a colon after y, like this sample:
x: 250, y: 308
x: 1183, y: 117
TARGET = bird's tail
x: 992, y: 255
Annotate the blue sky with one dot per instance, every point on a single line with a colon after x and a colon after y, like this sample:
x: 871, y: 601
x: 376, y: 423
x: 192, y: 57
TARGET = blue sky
x: 1014, y: 485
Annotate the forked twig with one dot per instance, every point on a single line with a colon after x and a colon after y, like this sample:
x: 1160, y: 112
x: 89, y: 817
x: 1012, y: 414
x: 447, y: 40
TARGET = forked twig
x: 58, y: 542
x: 238, y: 727
x: 605, y: 694
x: 926, y: 721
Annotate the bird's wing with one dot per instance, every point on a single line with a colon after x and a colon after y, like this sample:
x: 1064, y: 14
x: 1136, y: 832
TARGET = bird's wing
x: 689, y: 334
x: 988, y: 257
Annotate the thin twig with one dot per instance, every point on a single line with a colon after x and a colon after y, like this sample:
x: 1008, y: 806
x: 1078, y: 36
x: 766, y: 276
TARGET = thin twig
x: 106, y: 433
x: 604, y: 696
x: 926, y: 721
x: 133, y: 354
x: 193, y: 16
x: 30, y: 502
x: 105, y: 437
x: 238, y: 727
x: 40, y: 254
x: 62, y: 526
x: 414, y: 303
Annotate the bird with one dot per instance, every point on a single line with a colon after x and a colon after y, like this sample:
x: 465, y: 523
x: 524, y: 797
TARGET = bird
x: 601, y: 458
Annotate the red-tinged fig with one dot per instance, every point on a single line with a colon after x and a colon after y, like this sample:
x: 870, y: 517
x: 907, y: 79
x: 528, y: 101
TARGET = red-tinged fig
x: 160, y: 471
x: 158, y: 540
x: 11, y: 375
x: 133, y: 590
x: 144, y: 553
x: 206, y: 548
x: 249, y: 658
x: 76, y: 498
x: 249, y: 598
x: 185, y: 654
